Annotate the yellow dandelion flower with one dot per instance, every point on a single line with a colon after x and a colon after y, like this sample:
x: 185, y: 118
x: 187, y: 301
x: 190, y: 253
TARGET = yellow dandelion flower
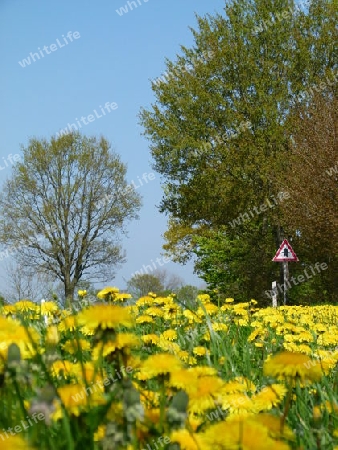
x: 244, y: 433
x: 272, y: 423
x: 87, y: 331
x: 153, y: 415
x: 330, y: 407
x: 127, y: 340
x: 221, y: 360
x: 82, y: 293
x: 203, y: 371
x: 133, y: 309
x: 76, y: 397
x: 168, y: 346
x: 270, y: 396
x: 15, y: 443
x: 160, y: 301
x: 239, y: 384
x: 154, y: 311
x: 219, y: 327
x: 188, y: 441
x: 303, y: 348
x: 290, y: 347
x: 100, y: 433
x: 292, y: 365
x: 105, y: 316
x: 171, y: 335
x: 239, y: 404
x: 7, y: 325
x: 22, y: 336
x: 122, y: 341
x: 48, y: 308
x: 327, y: 339
x: 133, y: 361
x: 150, y: 339
x: 194, y: 421
x: 241, y: 322
x: 258, y: 333
x: 171, y: 310
x: 200, y: 351
x: 150, y: 399
x: 88, y: 373
x: 211, y: 309
x: 206, y: 337
x: 8, y: 309
x: 203, y: 298
x: 183, y: 379
x: 319, y: 327
x: 160, y: 364
x: 203, y: 393
x: 229, y: 300
x: 184, y: 356
x: 107, y: 291
x: 25, y: 306
x: 144, y: 318
x: 316, y: 412
x: 145, y: 301
x: 68, y: 323
x: 63, y: 368
x: 73, y: 346
x: 192, y: 317
x: 121, y: 297
x: 327, y: 360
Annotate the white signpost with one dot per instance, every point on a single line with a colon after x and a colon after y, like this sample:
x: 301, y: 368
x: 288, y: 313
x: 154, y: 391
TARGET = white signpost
x: 284, y: 254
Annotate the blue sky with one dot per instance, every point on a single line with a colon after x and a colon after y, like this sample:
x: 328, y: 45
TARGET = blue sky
x: 113, y: 59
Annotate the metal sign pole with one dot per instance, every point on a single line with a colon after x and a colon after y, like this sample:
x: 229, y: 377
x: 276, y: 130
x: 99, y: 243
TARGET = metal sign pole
x: 274, y: 294
x: 284, y: 254
x: 286, y: 281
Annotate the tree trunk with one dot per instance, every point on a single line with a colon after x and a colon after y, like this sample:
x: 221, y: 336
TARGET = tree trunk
x: 69, y: 293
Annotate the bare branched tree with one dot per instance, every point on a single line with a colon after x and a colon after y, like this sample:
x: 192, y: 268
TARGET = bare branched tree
x: 65, y: 207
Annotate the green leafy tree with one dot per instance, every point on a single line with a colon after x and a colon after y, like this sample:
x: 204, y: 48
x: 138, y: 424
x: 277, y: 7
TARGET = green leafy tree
x: 312, y: 177
x: 187, y: 294
x: 65, y: 207
x: 141, y: 284
x: 220, y: 135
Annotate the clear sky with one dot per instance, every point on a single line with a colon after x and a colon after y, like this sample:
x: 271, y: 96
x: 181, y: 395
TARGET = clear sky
x: 118, y: 48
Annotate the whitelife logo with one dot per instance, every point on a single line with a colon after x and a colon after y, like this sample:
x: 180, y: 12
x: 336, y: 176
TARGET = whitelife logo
x: 129, y: 7
x: 109, y: 107
x: 9, y: 161
x: 49, y: 49
x: 332, y: 170
x: 23, y: 426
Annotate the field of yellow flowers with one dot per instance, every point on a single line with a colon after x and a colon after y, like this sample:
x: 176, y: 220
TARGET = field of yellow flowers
x: 157, y: 375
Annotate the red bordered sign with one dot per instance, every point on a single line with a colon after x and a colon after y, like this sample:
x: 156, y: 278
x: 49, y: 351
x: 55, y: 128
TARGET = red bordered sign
x: 285, y: 253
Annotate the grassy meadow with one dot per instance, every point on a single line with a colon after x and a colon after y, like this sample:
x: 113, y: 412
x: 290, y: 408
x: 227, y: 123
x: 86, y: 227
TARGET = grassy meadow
x: 160, y: 375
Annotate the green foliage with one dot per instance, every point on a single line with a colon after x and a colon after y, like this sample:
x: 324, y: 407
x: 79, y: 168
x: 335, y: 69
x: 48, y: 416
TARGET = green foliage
x: 220, y: 133
x: 141, y: 284
x: 187, y: 295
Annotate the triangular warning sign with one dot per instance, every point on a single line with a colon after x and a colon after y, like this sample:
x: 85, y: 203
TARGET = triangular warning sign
x: 285, y: 253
